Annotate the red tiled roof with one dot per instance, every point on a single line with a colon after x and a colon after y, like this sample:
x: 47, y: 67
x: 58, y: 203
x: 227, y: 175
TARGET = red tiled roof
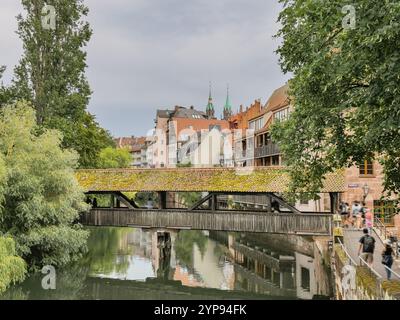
x: 278, y: 99
x: 131, y: 143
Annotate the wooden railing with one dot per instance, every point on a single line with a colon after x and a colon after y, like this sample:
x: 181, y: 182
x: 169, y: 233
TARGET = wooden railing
x: 267, y: 150
x: 240, y: 221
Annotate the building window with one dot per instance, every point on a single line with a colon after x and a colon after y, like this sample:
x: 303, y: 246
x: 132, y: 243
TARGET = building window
x: 281, y: 114
x: 257, y: 124
x: 366, y: 168
x: 305, y: 279
x: 385, y: 211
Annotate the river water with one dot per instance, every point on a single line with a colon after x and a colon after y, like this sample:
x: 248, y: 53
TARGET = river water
x: 128, y: 263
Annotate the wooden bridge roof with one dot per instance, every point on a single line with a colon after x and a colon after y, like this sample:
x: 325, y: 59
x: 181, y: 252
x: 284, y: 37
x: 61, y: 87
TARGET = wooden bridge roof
x: 262, y: 179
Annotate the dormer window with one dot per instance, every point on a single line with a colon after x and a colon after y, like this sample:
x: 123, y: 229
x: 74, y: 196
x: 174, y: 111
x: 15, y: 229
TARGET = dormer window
x: 281, y: 114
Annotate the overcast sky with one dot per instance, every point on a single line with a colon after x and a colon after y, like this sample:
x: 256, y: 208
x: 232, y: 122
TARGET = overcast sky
x: 149, y: 54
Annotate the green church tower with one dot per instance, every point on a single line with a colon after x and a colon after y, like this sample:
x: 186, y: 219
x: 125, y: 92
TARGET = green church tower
x: 210, y: 107
x: 227, y: 107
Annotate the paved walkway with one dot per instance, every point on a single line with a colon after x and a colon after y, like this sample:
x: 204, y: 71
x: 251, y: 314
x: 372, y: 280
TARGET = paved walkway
x: 351, y: 242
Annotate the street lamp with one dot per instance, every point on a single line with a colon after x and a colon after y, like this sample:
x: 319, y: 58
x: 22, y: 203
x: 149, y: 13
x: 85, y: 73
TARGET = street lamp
x: 365, y: 191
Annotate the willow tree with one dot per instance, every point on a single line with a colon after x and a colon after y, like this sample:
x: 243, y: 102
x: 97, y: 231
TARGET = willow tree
x: 41, y: 197
x: 51, y: 73
x: 345, y: 62
x: 12, y: 267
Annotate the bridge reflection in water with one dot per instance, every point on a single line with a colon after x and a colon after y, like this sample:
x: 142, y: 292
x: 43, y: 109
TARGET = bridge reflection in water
x: 126, y: 263
x: 231, y: 262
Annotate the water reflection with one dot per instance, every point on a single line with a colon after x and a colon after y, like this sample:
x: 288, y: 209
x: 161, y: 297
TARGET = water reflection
x: 125, y: 263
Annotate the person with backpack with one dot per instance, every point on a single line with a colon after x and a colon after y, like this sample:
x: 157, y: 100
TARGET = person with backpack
x: 367, y: 246
x: 387, y: 258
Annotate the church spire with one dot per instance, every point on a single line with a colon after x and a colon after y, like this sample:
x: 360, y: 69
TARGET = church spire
x: 210, y: 106
x: 227, y: 107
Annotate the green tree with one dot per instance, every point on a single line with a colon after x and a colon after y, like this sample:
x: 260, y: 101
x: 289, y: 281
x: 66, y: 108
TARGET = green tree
x: 345, y: 88
x: 114, y: 158
x: 51, y: 75
x: 190, y: 198
x: 42, y: 198
x: 12, y: 267
x: 6, y: 93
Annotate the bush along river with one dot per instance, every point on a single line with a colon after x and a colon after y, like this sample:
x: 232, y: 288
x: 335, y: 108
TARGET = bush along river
x: 128, y: 263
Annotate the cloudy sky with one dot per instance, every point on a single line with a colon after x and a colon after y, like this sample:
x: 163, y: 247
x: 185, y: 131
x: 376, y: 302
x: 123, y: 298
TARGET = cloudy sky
x: 149, y: 54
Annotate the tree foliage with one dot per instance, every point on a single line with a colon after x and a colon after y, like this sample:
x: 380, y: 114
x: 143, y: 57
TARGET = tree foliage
x: 6, y: 93
x: 12, y: 267
x: 51, y: 75
x: 345, y: 88
x: 41, y: 196
x: 114, y: 158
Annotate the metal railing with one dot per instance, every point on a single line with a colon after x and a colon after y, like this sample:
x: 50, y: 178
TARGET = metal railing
x: 392, y: 272
x: 379, y: 292
x: 364, y: 263
x: 379, y: 225
x: 351, y: 260
x: 384, y: 235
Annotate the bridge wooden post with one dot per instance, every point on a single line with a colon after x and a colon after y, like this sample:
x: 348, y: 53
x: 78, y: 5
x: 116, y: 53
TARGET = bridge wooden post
x: 214, y: 202
x: 162, y: 200
x: 112, y: 200
x: 269, y: 203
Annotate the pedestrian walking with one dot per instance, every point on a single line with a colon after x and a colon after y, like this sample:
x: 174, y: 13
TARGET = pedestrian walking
x: 367, y: 247
x: 387, y: 258
x: 368, y: 220
x: 344, y: 211
x: 357, y: 214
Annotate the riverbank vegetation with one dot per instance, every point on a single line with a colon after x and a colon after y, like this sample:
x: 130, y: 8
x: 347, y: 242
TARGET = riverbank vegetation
x: 12, y: 267
x: 40, y: 197
x: 46, y: 132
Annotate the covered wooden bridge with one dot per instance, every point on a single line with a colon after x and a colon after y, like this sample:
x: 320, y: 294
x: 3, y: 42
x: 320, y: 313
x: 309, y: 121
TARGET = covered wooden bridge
x: 278, y: 215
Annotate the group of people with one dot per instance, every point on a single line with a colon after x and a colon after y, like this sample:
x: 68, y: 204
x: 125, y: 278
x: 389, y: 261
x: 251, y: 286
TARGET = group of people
x: 367, y: 248
x: 357, y: 216
x: 93, y: 202
x: 360, y: 217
